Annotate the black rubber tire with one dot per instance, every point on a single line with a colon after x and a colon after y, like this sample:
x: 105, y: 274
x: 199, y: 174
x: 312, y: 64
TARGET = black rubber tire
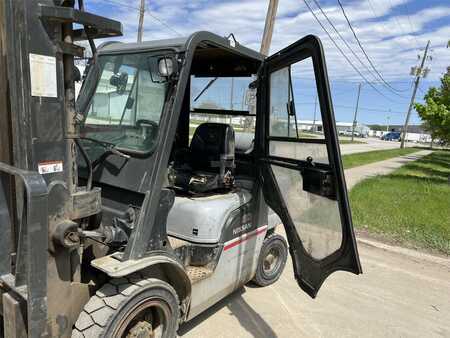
x: 118, y: 298
x: 272, y: 242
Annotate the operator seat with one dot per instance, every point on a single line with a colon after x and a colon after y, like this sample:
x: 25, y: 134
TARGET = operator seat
x: 210, y: 160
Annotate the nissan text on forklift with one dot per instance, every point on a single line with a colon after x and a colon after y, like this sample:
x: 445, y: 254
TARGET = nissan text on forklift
x: 116, y: 220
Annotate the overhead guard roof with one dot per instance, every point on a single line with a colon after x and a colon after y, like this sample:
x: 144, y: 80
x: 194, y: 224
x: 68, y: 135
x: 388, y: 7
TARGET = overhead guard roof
x: 197, y: 39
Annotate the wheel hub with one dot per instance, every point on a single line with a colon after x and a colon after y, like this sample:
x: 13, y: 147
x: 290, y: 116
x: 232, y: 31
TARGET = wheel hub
x: 271, y: 260
x: 142, y: 329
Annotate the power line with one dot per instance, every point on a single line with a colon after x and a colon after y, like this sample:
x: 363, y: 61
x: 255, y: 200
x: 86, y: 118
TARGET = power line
x: 116, y: 2
x: 394, y: 90
x: 343, y: 54
x: 373, y: 110
x: 376, y: 15
x: 421, y: 90
x: 147, y: 11
x: 402, y: 28
x: 386, y: 30
x: 342, y: 38
x: 163, y: 23
x: 410, y: 24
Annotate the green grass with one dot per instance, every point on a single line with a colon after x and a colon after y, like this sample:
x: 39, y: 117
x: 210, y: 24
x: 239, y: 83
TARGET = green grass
x: 355, y: 160
x: 410, y: 206
x: 351, y: 142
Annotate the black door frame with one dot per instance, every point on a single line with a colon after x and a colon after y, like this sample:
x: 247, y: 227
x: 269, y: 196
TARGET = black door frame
x: 309, y: 272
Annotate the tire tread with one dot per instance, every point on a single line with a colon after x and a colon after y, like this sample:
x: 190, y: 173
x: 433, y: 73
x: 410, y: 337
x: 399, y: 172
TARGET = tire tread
x: 101, y: 307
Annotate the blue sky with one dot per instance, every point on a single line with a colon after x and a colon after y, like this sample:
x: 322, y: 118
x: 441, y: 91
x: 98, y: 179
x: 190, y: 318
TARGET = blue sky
x: 393, y: 33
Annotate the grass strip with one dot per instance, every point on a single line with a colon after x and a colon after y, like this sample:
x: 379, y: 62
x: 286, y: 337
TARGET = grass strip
x: 358, y: 159
x: 409, y: 206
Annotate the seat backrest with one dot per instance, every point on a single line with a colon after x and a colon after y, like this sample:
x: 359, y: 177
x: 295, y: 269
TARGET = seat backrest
x: 244, y: 142
x: 211, y: 145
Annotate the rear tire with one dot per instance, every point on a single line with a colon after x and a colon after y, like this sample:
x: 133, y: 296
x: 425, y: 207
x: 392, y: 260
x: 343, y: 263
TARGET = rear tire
x: 272, y: 260
x: 134, y: 306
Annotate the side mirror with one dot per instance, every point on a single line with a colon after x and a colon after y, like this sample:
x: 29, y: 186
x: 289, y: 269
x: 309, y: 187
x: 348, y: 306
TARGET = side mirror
x: 119, y: 81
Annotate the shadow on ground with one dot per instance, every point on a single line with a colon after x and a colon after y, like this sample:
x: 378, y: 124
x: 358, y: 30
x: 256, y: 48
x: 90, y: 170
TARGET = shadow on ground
x: 248, y: 318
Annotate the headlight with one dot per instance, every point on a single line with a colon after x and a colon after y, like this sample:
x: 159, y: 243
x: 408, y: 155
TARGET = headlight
x: 165, y: 67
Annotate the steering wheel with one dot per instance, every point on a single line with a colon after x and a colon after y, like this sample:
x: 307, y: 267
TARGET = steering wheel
x: 143, y: 124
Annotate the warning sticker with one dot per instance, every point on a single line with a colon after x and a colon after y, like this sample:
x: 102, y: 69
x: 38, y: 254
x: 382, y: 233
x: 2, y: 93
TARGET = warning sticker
x: 43, y: 75
x: 50, y: 167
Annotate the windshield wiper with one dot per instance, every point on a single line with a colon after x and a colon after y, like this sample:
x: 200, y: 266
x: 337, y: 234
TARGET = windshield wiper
x: 110, y: 149
x: 206, y: 88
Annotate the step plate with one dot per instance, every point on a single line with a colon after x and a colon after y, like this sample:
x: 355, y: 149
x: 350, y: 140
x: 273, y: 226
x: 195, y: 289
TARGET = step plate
x: 198, y: 273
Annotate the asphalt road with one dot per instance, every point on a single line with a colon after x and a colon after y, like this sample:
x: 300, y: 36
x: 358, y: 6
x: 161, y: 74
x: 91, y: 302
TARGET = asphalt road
x: 398, y: 295
x: 402, y: 293
x: 371, y: 144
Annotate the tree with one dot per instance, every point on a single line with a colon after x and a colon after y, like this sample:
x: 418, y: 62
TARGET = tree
x: 436, y: 111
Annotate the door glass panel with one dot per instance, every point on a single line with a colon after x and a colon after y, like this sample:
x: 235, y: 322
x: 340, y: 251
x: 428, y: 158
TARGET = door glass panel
x: 294, y: 114
x: 316, y: 219
x: 294, y: 108
x: 299, y: 151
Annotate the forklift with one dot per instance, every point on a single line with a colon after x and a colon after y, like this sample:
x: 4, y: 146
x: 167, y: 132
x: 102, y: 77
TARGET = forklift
x: 120, y: 214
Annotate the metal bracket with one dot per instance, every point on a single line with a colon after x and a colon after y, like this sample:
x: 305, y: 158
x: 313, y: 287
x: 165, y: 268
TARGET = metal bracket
x: 99, y: 27
x: 30, y: 277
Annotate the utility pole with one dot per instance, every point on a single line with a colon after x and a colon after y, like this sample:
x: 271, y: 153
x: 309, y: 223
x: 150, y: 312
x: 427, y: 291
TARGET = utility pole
x: 141, y: 21
x: 314, y: 120
x: 388, y: 118
x: 267, y: 36
x: 356, y: 112
x: 418, y: 72
x: 268, y: 27
x: 231, y: 97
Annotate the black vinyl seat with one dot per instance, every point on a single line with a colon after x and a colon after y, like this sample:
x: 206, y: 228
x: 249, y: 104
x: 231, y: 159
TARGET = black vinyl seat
x: 210, y: 161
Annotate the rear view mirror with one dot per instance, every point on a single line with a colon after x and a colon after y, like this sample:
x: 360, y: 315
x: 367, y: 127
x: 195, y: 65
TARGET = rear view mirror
x: 119, y: 81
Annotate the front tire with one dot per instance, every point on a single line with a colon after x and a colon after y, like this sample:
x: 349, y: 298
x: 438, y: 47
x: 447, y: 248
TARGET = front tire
x: 130, y: 307
x: 272, y: 260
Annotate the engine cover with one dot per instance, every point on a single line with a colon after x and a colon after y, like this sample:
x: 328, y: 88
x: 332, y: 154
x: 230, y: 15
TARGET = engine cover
x: 201, y: 219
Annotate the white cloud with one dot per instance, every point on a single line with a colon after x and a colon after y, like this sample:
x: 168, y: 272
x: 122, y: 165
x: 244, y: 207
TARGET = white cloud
x: 389, y: 41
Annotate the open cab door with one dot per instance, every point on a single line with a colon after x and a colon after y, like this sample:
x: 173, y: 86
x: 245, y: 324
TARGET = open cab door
x: 303, y: 179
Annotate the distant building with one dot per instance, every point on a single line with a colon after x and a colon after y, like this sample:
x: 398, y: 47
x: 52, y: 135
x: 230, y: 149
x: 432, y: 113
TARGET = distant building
x: 316, y: 126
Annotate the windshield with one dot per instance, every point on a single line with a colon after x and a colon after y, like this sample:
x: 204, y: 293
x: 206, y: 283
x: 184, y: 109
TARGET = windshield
x: 127, y: 103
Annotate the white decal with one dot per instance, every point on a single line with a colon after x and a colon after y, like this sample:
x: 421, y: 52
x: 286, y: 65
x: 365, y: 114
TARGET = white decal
x: 43, y: 75
x: 242, y: 228
x: 50, y: 167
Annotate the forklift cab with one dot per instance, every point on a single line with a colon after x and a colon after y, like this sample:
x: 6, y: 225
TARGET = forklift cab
x: 159, y: 191
x: 139, y: 102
